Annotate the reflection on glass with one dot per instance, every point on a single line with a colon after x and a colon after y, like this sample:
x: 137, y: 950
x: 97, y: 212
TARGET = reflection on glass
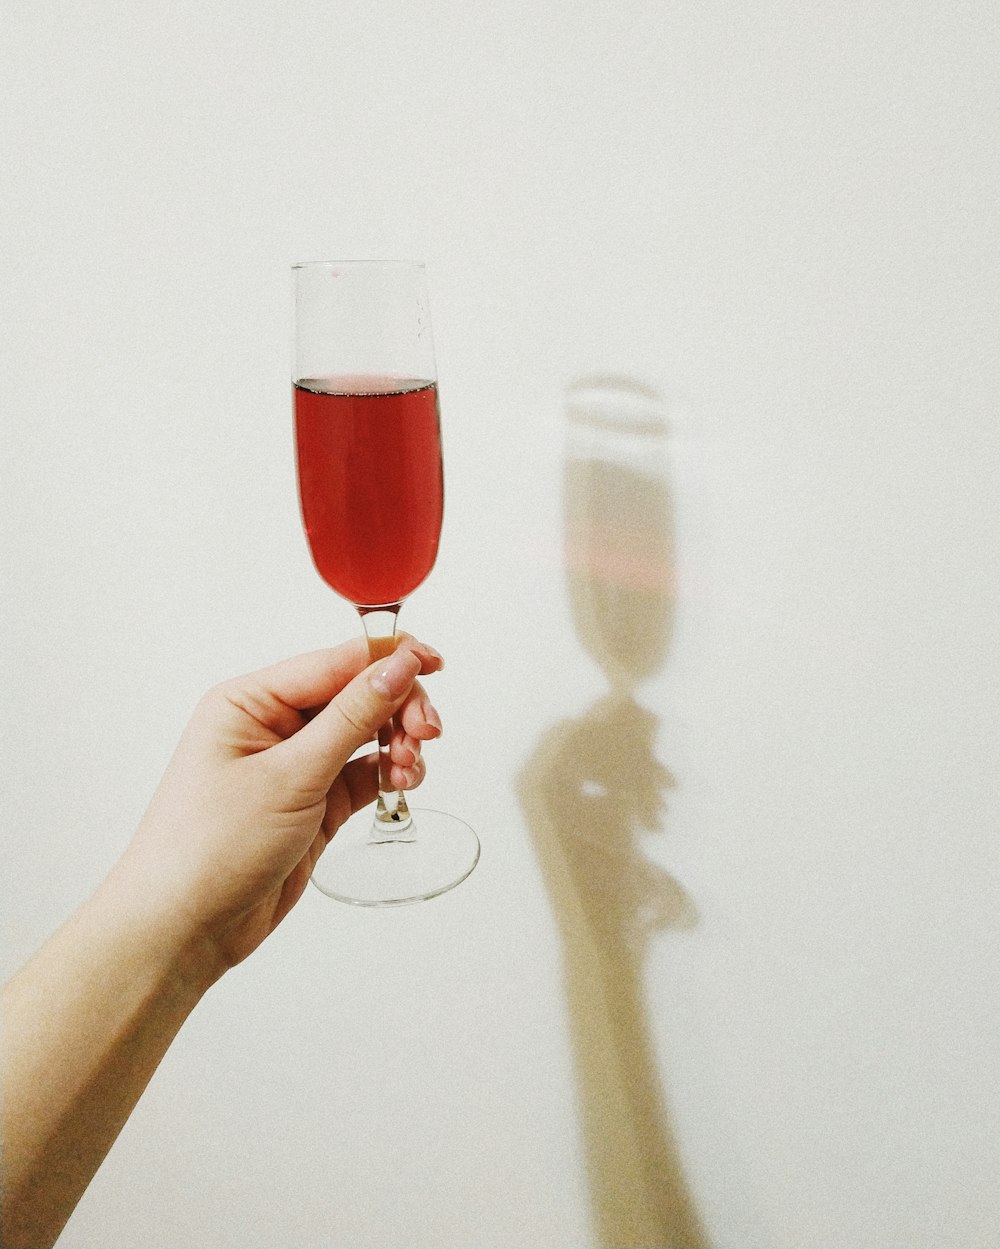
x: 593, y: 786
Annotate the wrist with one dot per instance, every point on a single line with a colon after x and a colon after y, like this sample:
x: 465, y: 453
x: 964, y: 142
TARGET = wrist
x: 165, y: 946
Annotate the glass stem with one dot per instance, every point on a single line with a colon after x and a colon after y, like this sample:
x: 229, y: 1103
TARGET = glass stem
x: 392, y: 821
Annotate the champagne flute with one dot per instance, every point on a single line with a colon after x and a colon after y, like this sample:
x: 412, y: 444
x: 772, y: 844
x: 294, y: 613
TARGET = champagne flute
x: 368, y: 451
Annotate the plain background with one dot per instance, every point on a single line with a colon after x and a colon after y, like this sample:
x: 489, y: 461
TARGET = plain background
x: 773, y: 223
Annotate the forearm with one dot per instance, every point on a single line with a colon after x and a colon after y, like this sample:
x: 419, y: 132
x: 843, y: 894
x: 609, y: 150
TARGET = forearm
x: 86, y: 1023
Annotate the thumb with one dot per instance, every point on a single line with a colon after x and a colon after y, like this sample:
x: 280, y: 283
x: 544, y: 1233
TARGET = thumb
x: 318, y: 751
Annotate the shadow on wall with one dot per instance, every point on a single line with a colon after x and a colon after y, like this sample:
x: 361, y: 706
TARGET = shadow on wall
x: 592, y: 786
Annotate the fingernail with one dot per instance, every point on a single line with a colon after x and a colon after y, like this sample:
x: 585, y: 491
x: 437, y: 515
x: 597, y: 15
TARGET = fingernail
x: 432, y: 717
x: 396, y: 675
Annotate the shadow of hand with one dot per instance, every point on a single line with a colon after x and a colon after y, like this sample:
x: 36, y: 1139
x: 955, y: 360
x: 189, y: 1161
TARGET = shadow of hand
x: 592, y: 783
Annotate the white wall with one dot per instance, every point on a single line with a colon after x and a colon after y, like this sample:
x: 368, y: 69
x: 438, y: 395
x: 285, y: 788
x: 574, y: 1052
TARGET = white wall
x: 771, y: 1023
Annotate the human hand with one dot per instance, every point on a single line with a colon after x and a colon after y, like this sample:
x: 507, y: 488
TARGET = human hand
x: 259, y: 784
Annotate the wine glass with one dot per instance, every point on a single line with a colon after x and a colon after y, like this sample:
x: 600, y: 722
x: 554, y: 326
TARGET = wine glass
x: 368, y: 450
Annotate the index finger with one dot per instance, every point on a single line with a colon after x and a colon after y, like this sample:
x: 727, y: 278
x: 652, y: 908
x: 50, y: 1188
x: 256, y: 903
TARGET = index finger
x: 311, y: 680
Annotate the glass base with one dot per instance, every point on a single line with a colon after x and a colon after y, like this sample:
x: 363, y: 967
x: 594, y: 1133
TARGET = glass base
x: 363, y: 869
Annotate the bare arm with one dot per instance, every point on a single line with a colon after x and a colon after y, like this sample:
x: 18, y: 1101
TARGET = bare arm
x: 260, y: 782
x: 86, y: 1023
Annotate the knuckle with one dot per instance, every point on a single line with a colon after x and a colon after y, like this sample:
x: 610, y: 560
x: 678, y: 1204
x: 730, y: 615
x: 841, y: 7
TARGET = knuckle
x: 353, y: 718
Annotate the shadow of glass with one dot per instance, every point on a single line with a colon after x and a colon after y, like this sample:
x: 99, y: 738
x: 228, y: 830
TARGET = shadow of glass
x: 591, y: 787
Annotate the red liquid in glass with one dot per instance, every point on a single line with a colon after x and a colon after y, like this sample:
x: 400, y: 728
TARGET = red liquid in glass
x: 370, y: 483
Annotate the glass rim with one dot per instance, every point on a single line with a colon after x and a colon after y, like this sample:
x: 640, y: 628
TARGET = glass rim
x: 358, y: 264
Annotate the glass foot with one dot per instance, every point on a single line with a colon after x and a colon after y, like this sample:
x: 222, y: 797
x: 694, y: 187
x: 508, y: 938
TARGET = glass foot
x: 370, y: 869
